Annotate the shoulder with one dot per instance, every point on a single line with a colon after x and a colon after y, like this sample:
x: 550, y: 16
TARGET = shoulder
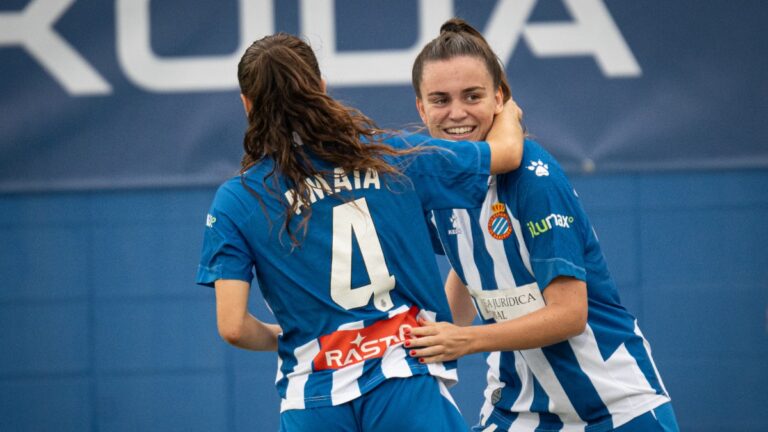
x: 232, y: 197
x: 539, y: 167
x: 228, y: 190
x: 540, y: 176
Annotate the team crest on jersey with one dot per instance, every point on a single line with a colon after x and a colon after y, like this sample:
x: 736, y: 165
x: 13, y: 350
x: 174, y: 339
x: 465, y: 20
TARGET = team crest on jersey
x: 499, y: 224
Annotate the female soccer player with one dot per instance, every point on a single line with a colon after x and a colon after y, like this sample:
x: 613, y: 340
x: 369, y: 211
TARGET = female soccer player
x: 330, y: 219
x: 564, y: 353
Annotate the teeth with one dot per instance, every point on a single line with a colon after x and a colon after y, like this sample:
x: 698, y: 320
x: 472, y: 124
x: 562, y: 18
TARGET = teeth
x: 459, y: 130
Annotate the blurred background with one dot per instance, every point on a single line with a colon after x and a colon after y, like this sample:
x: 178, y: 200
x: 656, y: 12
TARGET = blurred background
x: 118, y: 119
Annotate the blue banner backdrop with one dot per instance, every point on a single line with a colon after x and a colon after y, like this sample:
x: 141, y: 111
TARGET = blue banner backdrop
x: 135, y: 93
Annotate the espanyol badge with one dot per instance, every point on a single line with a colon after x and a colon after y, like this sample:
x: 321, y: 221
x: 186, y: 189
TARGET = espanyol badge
x: 499, y: 225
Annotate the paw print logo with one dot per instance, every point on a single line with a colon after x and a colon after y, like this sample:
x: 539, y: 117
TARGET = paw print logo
x: 540, y: 168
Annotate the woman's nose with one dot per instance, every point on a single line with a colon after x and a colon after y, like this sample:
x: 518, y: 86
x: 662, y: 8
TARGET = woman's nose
x: 457, y: 112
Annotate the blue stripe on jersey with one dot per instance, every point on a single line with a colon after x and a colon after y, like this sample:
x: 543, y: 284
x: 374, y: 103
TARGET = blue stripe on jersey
x: 480, y: 254
x: 288, y: 363
x: 318, y: 384
x: 575, y: 382
x: 372, y: 374
x: 547, y: 421
x: 512, y: 249
x: 637, y: 350
x: 440, y: 218
x: 508, y: 375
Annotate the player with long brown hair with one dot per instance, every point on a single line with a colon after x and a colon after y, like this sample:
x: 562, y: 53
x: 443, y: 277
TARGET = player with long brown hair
x: 328, y: 214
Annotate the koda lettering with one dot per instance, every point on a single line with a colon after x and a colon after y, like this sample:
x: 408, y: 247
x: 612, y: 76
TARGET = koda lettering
x: 590, y: 31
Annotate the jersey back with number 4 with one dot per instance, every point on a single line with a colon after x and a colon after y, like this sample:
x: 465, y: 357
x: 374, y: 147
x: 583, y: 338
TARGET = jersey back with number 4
x: 364, y: 271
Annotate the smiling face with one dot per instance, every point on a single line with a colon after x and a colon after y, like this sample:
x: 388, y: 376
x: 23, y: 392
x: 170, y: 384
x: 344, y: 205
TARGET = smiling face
x: 458, y: 100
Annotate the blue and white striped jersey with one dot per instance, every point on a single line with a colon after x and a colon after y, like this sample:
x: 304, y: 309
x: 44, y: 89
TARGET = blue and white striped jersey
x: 364, y: 272
x: 530, y: 230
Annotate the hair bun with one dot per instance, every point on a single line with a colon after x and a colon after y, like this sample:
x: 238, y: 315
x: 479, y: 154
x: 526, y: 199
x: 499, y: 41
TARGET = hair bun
x: 455, y: 25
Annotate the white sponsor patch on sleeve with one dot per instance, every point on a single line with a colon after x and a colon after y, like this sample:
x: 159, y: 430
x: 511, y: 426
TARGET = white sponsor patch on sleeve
x: 504, y: 304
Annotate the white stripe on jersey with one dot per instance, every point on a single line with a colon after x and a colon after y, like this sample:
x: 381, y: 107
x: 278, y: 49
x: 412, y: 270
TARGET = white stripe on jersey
x: 345, y: 387
x: 524, y: 373
x: 619, y: 382
x: 501, y: 270
x: 524, y: 255
x: 294, y: 393
x: 558, y: 399
x: 394, y: 363
x: 438, y: 370
x: 525, y: 422
x: 494, y: 383
x: 466, y: 249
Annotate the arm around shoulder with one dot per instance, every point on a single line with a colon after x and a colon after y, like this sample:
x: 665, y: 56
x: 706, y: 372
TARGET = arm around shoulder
x: 506, y: 139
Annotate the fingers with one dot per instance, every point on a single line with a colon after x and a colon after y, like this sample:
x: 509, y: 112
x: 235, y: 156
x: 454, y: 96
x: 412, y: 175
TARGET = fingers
x: 429, y: 329
x: 431, y: 354
x: 513, y: 108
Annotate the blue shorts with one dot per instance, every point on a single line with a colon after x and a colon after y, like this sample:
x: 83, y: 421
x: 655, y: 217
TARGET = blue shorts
x: 418, y: 403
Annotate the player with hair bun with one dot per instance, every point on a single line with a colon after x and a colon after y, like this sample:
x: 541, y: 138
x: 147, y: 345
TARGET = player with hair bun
x: 328, y: 215
x: 564, y: 354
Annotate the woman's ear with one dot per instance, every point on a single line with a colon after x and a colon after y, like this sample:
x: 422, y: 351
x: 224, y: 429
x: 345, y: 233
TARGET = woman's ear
x: 420, y: 109
x: 499, y: 97
x: 246, y: 104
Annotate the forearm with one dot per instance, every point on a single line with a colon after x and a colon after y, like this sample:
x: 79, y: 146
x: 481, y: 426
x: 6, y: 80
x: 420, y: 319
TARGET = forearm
x: 462, y: 308
x: 564, y: 316
x: 256, y: 335
x: 236, y: 325
x: 546, y: 326
x: 506, y: 139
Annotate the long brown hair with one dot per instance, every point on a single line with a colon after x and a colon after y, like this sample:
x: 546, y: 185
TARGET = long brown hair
x: 458, y: 38
x: 293, y: 121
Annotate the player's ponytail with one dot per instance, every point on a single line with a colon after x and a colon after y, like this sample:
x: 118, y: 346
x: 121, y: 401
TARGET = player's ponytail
x: 293, y: 121
x: 458, y: 38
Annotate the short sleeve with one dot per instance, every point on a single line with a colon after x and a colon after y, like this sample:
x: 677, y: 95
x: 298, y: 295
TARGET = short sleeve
x: 225, y: 251
x: 451, y: 174
x: 553, y: 224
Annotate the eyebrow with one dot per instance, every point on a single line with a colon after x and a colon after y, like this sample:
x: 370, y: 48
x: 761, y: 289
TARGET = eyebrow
x: 466, y: 90
x: 473, y: 89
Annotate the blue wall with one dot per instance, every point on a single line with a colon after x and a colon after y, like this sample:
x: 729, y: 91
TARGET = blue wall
x: 103, y: 329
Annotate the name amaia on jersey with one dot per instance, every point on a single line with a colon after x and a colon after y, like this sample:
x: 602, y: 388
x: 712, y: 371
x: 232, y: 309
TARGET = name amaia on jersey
x: 319, y: 188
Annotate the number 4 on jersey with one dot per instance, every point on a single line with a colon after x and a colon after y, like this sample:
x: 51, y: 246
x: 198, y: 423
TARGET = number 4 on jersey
x: 353, y: 220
